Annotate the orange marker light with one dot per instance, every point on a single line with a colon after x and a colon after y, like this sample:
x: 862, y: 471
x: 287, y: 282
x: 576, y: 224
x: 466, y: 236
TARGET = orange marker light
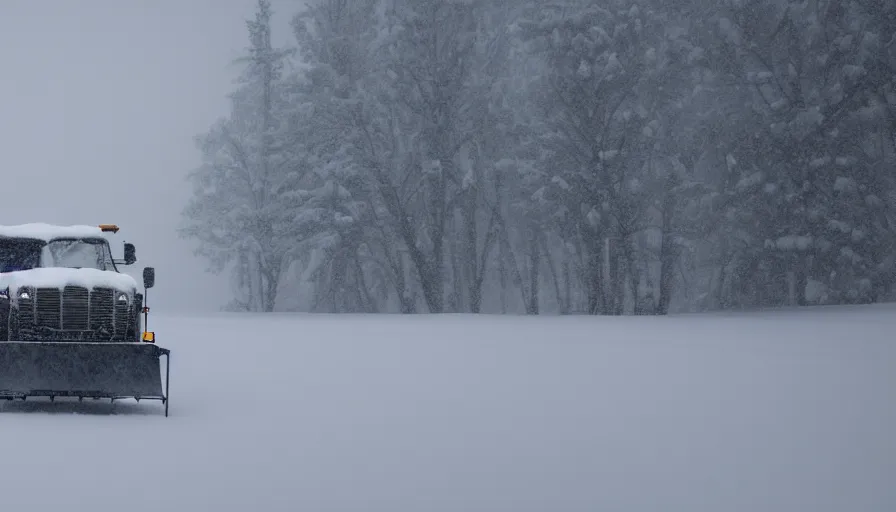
x: 149, y: 337
x: 108, y: 227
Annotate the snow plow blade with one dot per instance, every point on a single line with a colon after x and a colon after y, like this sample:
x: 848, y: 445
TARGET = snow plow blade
x: 83, y: 370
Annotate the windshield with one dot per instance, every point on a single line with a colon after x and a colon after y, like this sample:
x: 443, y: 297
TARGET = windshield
x: 24, y: 254
x: 77, y: 254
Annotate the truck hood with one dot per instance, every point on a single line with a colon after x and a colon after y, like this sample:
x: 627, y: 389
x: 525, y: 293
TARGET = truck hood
x: 62, y: 277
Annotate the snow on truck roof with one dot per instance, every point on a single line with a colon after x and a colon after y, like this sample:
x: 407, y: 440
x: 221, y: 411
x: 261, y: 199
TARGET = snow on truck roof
x: 47, y: 232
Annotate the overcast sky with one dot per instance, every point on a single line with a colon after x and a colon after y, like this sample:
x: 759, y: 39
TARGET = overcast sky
x: 99, y: 104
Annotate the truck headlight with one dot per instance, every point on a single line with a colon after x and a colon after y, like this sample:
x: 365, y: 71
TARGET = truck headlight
x: 24, y: 295
x: 4, y: 293
x: 122, y: 297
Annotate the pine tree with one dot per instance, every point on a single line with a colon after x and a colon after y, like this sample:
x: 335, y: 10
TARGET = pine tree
x: 235, y: 209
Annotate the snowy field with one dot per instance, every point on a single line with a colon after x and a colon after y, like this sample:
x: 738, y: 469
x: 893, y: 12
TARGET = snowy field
x: 778, y: 411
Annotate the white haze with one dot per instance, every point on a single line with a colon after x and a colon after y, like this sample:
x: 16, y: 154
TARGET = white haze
x: 99, y: 104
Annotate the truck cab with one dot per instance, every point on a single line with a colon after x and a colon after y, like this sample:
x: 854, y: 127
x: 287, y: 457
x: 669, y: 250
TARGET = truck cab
x: 61, y: 283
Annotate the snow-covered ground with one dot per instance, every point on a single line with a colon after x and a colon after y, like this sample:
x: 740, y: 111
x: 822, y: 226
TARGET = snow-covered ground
x: 778, y: 411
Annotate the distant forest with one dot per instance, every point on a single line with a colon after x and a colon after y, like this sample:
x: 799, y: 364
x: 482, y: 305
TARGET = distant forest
x: 608, y: 157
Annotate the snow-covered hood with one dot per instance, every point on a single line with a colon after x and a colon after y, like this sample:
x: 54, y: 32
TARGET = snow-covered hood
x: 62, y: 277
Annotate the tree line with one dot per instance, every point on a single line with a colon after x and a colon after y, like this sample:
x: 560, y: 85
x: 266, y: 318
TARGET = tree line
x: 569, y: 156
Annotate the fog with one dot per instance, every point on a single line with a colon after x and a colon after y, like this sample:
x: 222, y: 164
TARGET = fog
x: 503, y: 156
x: 100, y: 102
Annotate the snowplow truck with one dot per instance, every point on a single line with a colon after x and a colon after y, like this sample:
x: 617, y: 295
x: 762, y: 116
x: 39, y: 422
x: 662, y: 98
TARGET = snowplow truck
x: 71, y: 324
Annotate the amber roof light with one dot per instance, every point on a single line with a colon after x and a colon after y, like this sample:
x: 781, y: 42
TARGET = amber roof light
x: 108, y: 227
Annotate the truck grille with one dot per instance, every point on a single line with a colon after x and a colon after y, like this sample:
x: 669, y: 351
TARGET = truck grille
x: 76, y: 308
x: 102, y: 314
x: 75, y: 301
x: 48, y: 307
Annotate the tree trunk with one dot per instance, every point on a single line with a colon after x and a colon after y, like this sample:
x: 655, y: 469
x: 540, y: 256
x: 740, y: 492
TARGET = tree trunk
x: 502, y: 255
x: 596, y: 284
x: 613, y: 303
x: 555, y: 276
x: 634, y: 275
x: 458, y: 278
x: 430, y: 279
x: 368, y: 304
x: 255, y: 283
x: 668, y: 258
x: 502, y: 277
x: 516, y: 274
x: 470, y: 249
x: 534, y: 264
x: 567, y: 288
x: 405, y: 297
x: 669, y: 253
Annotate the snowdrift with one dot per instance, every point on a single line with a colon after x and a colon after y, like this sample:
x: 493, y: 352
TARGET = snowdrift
x: 776, y: 411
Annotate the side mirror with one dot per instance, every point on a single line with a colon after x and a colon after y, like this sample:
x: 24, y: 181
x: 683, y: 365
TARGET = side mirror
x: 130, y: 254
x: 149, y: 277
